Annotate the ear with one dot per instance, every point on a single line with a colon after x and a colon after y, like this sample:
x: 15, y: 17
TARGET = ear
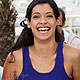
x: 58, y: 22
x: 28, y: 23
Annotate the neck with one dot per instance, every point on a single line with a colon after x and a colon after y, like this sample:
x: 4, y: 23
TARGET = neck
x: 44, y: 49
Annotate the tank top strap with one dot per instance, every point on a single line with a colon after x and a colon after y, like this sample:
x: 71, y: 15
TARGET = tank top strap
x: 59, y: 57
x: 25, y: 58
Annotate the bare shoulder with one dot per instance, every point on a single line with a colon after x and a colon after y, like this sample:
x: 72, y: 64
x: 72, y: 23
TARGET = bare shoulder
x: 72, y: 55
x: 14, y: 57
x: 11, y: 65
x: 72, y: 52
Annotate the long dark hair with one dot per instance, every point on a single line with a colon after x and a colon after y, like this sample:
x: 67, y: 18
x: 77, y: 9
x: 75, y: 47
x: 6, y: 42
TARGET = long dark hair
x: 26, y: 38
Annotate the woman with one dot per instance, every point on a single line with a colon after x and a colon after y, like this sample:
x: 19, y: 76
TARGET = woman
x: 37, y: 55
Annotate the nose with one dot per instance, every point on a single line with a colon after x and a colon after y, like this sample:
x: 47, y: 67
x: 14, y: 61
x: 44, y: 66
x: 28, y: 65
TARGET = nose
x: 43, y: 20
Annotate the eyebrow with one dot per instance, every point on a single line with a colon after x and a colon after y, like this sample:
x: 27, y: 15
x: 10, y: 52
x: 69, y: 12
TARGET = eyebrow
x: 35, y: 13
x: 49, y: 12
x: 39, y: 13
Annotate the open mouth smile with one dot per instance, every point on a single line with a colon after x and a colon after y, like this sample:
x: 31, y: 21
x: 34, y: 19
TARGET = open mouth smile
x: 43, y: 28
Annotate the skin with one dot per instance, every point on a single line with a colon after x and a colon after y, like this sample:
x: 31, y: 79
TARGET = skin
x: 44, y: 48
x: 43, y: 20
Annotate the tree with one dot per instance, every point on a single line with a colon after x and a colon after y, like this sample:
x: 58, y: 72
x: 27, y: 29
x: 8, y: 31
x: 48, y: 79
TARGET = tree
x: 8, y: 16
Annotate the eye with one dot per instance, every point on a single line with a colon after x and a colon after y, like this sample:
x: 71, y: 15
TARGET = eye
x: 35, y: 16
x: 49, y: 16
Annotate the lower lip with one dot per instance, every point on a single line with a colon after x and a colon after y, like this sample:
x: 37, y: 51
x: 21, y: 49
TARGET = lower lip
x: 43, y: 31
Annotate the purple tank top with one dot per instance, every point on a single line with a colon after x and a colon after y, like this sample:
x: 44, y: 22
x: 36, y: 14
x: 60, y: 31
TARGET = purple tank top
x: 58, y: 72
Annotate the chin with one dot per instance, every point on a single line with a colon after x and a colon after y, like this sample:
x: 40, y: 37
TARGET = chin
x: 43, y: 38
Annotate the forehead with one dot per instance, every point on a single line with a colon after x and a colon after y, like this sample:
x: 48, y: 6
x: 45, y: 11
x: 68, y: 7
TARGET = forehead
x: 42, y: 8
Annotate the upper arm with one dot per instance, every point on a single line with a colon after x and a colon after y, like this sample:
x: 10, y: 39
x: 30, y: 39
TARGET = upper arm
x: 9, y: 72
x: 76, y: 66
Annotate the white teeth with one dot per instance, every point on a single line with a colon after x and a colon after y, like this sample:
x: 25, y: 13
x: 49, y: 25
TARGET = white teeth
x: 43, y: 29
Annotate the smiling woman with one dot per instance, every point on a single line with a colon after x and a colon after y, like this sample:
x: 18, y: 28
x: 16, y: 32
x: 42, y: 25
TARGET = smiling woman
x: 43, y: 22
x: 39, y: 54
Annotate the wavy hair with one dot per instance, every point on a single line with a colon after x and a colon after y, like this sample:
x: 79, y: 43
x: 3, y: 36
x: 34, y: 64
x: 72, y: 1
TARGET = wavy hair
x: 26, y: 38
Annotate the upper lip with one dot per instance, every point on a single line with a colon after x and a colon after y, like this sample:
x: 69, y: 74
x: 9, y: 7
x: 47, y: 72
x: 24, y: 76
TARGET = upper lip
x: 43, y: 27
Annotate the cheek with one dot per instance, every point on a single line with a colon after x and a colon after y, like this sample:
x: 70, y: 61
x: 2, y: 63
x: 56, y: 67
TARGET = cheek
x: 53, y: 23
x: 33, y: 26
x: 34, y: 23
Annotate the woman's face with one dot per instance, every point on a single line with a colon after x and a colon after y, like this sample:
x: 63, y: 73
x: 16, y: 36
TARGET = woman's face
x: 43, y: 22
